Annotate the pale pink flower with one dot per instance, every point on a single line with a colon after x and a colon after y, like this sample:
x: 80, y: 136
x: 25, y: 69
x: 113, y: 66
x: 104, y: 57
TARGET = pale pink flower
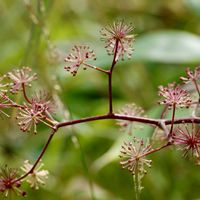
x: 79, y: 56
x: 121, y: 33
x: 174, y: 95
x: 191, y: 75
x: 19, y: 77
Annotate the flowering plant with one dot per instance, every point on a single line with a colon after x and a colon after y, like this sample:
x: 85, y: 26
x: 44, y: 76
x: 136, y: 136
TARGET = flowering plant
x: 40, y: 109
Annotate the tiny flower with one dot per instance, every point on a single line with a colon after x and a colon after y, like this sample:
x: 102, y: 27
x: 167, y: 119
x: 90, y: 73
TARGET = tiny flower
x: 129, y: 110
x: 3, y: 85
x: 191, y: 75
x: 29, y: 117
x: 20, y: 77
x: 133, y: 156
x: 118, y: 32
x: 187, y: 140
x: 8, y: 184
x: 174, y: 95
x: 78, y: 57
x: 43, y: 103
x: 38, y: 177
x: 5, y: 102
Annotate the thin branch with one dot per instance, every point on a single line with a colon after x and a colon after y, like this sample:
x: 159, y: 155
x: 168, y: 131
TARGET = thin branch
x: 38, y: 159
x: 96, y: 68
x: 24, y: 93
x: 110, y: 78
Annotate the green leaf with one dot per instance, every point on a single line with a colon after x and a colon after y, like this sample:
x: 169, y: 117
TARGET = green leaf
x: 168, y: 47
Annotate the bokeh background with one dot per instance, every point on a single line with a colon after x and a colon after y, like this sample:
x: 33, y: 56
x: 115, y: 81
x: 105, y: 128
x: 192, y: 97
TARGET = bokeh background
x: 84, y: 159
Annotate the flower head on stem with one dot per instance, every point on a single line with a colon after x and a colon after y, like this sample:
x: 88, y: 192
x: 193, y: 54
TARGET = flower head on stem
x: 37, y: 177
x: 79, y: 56
x: 121, y: 32
x: 21, y: 77
x: 191, y: 75
x: 7, y: 182
x: 174, y: 95
x: 188, y: 140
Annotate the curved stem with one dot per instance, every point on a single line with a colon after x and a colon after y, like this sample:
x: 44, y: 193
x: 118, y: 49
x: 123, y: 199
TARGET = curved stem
x: 172, y: 122
x: 110, y: 77
x: 24, y: 93
x: 39, y: 157
x: 97, y: 68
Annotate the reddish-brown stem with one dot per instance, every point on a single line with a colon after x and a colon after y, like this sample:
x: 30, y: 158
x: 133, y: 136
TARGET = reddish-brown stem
x: 155, y: 150
x: 97, y: 68
x: 39, y: 157
x: 110, y: 77
x: 24, y: 93
x: 172, y: 121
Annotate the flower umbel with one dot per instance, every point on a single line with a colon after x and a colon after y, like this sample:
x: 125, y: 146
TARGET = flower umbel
x: 78, y: 57
x: 118, y: 32
x: 188, y: 140
x: 38, y: 177
x: 29, y: 117
x: 129, y: 110
x: 7, y: 182
x: 191, y: 75
x: 133, y: 156
x: 174, y: 95
x: 19, y: 77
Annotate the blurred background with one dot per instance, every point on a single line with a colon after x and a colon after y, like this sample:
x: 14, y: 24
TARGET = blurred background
x: 83, y: 159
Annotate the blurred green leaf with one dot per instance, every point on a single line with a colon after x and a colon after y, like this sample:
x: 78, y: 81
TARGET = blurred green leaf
x: 168, y: 47
x: 194, y: 5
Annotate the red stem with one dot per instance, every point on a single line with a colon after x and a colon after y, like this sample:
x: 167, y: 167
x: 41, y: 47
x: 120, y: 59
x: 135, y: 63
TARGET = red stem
x: 24, y: 93
x: 110, y: 78
x: 172, y: 121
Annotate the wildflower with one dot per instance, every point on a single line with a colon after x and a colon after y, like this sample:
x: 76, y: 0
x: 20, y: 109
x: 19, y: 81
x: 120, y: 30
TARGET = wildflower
x: 129, y: 110
x: 133, y: 156
x: 187, y: 140
x: 29, y: 117
x: 78, y: 57
x: 118, y: 32
x: 37, y: 177
x: 42, y: 101
x: 191, y: 75
x: 174, y: 95
x: 8, y: 184
x: 20, y: 77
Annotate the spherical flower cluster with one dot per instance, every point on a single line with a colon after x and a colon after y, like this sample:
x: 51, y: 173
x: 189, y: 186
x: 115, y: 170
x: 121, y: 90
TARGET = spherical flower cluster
x: 37, y: 177
x: 118, y: 38
x: 187, y: 140
x: 174, y: 95
x: 21, y: 77
x: 8, y: 184
x: 78, y: 57
x: 133, y: 156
